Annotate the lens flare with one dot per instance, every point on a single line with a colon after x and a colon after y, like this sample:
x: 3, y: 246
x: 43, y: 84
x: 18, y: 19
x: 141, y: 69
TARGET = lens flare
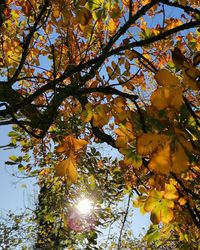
x: 84, y: 206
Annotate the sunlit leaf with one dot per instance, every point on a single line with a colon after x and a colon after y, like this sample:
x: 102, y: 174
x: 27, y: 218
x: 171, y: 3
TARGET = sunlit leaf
x: 160, y: 208
x: 13, y: 158
x: 67, y: 168
x: 171, y: 192
x: 71, y: 171
x: 79, y: 143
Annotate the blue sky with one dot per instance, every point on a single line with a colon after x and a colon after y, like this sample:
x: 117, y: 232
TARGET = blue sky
x: 13, y: 193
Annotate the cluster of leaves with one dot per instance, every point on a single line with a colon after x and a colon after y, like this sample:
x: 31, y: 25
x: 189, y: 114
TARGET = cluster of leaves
x: 78, y: 72
x: 16, y: 230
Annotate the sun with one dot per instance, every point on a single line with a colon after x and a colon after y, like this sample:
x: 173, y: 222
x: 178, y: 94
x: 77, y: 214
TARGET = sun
x: 84, y: 206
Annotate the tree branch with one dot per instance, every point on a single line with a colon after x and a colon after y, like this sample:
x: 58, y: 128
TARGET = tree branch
x: 27, y: 42
x: 153, y: 39
x: 186, y: 8
x: 106, y: 54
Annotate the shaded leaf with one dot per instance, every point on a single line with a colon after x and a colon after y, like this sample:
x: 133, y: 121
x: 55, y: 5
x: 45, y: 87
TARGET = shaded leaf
x: 161, y: 161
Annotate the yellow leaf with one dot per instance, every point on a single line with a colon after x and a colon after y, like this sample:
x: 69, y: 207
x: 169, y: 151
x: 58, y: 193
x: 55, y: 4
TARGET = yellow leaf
x: 175, y: 99
x: 99, y: 120
x: 70, y: 144
x: 179, y: 159
x: 119, y: 102
x: 86, y: 115
x: 160, y: 208
x: 79, y: 143
x: 120, y: 114
x: 112, y: 24
x: 121, y: 142
x: 101, y: 115
x: 164, y: 214
x: 61, y: 148
x: 144, y: 2
x: 125, y: 134
x: 171, y: 192
x: 67, y: 168
x: 161, y: 162
x: 152, y: 200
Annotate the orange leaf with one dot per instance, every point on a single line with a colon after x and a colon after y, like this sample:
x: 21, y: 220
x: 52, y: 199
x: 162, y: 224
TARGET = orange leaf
x: 161, y: 162
x: 67, y: 168
x: 79, y: 143
x: 71, y: 171
x: 61, y: 168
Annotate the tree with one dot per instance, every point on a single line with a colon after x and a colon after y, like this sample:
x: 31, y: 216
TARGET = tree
x: 16, y: 231
x: 120, y: 72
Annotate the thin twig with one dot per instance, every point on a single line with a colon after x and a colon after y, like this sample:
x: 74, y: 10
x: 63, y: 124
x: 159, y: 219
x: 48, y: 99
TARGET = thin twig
x: 123, y: 223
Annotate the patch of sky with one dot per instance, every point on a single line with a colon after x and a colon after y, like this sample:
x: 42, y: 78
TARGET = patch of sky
x: 17, y: 192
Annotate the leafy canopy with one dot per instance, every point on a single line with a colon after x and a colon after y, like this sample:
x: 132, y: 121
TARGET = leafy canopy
x: 125, y: 73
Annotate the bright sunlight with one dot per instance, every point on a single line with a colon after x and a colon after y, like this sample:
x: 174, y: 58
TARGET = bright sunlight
x: 84, y: 206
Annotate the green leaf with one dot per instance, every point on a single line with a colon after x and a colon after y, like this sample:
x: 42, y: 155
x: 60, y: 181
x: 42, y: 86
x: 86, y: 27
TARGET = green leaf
x: 132, y: 158
x: 23, y: 186
x: 152, y: 234
x: 92, y: 182
x: 160, y: 208
x: 12, y: 134
x: 13, y: 158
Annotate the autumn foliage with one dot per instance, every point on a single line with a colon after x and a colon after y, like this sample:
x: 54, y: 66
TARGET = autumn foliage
x: 75, y: 74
